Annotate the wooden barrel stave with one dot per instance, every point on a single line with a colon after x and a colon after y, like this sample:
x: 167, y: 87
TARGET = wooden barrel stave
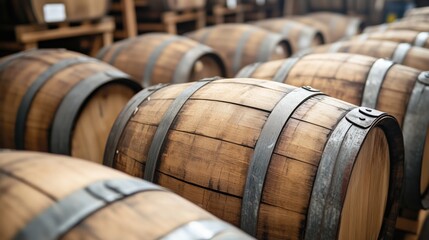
x: 300, y: 35
x: 418, y: 39
x: 29, y: 175
x: 163, y: 58
x: 236, y: 43
x: 28, y: 124
x: 401, y: 53
x: 199, y: 131
x: 400, y: 84
x: 418, y: 26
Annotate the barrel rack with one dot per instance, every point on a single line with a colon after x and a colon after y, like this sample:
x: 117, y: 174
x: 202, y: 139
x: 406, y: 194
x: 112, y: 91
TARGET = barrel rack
x: 220, y: 13
x: 23, y: 37
x: 254, y: 12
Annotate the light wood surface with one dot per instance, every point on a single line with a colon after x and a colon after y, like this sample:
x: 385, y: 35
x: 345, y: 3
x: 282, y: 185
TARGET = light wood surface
x: 32, y: 182
x: 93, y: 126
x: 362, y: 215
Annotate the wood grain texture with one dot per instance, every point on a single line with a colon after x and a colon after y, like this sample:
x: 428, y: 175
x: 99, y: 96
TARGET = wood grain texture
x: 47, y: 179
x: 363, y: 210
x: 135, y: 57
x: 92, y: 124
x: 208, y: 148
x: 344, y: 76
x: 241, y: 44
x: 32, y: 11
x: 415, y: 57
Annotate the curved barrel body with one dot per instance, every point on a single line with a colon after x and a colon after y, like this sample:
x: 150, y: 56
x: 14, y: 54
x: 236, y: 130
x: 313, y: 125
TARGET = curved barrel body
x: 278, y: 161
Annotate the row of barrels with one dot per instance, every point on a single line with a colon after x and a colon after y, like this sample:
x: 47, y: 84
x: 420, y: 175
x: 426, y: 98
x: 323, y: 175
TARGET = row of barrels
x: 279, y: 161
x: 227, y: 126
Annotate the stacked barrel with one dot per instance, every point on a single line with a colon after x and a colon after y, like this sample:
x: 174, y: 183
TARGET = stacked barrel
x: 336, y: 69
x: 283, y: 128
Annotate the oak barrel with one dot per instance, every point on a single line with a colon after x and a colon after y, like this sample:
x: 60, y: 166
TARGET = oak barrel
x: 242, y: 44
x: 402, y: 53
x: 339, y: 26
x: 418, y: 39
x: 248, y: 151
x: 176, y: 5
x: 47, y: 11
x: 401, y: 25
x: 163, y: 58
x: 400, y: 90
x: 299, y: 35
x: 60, y: 101
x: 46, y: 196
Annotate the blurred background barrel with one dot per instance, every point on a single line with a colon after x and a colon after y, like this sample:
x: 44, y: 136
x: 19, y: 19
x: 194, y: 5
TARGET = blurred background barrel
x: 258, y: 154
x: 74, y: 199
x: 241, y: 44
x: 60, y: 101
x: 339, y: 26
x: 402, y: 53
x: 401, y: 25
x: 35, y: 11
x: 299, y: 35
x: 418, y: 39
x: 163, y: 58
x: 402, y: 91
